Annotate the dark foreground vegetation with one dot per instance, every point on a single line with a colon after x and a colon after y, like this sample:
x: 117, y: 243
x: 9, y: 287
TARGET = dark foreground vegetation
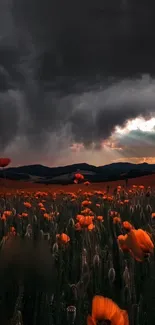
x: 58, y: 251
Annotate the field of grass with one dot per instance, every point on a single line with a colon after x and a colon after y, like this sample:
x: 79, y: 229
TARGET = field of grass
x: 12, y: 185
x: 77, y: 254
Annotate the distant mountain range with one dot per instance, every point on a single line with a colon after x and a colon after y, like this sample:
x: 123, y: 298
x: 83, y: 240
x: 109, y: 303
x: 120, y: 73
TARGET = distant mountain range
x: 65, y: 175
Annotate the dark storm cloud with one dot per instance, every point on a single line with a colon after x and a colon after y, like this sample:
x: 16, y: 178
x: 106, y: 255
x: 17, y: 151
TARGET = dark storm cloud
x: 83, y: 37
x: 74, y: 47
x: 98, y: 113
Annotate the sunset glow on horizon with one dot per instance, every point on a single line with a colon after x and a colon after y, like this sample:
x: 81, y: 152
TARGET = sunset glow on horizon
x: 137, y: 124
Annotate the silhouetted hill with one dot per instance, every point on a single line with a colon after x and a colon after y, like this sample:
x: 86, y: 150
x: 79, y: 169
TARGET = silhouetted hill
x: 65, y: 174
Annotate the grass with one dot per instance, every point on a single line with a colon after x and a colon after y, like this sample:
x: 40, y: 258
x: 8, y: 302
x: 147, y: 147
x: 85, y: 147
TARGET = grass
x: 42, y: 273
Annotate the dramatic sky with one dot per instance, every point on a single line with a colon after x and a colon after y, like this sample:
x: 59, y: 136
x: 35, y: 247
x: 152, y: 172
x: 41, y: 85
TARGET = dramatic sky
x: 77, y: 81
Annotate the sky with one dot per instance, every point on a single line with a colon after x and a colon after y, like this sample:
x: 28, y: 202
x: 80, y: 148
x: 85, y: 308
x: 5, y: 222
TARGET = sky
x: 77, y: 81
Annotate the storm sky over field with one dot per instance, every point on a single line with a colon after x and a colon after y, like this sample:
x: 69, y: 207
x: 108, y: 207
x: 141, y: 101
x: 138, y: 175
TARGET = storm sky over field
x: 77, y: 81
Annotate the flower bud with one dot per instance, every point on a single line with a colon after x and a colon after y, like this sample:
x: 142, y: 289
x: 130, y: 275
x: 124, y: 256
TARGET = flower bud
x: 74, y: 291
x: 96, y: 260
x: 84, y: 252
x: 41, y: 234
x: 71, y: 222
x: 149, y: 208
x: 85, y: 266
x: 126, y: 276
x: 145, y: 319
x: 132, y: 209
x: 14, y: 211
x: 71, y: 314
x: 96, y: 249
x: 19, y: 320
x: 28, y: 231
x: 138, y: 206
x: 35, y: 218
x: 142, y: 215
x: 111, y: 275
x: 51, y: 299
x: 127, y: 295
x: 55, y: 248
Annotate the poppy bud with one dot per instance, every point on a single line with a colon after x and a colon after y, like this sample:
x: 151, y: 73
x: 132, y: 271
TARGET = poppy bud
x: 142, y: 215
x: 35, y: 218
x: 84, y: 252
x: 14, y: 211
x: 19, y: 320
x: 127, y: 295
x: 85, y: 267
x: 96, y: 249
x: 51, y: 299
x: 138, y: 206
x: 41, y: 234
x: 148, y: 194
x: 28, y: 231
x: 71, y: 314
x: 145, y: 319
x: 96, y: 260
x: 74, y: 291
x: 126, y: 276
x: 55, y: 248
x: 111, y: 275
x: 47, y: 236
x: 132, y: 209
x: 149, y: 208
x: 71, y: 222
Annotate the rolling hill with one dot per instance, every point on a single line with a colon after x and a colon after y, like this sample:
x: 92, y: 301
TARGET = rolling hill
x: 65, y: 174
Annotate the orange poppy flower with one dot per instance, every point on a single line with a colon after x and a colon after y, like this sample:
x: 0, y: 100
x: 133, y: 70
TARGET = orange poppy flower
x: 91, y: 226
x: 144, y: 241
x: 90, y: 320
x: 127, y: 225
x: 116, y: 220
x: 126, y: 201
x: 27, y: 204
x: 24, y: 214
x: 85, y: 221
x: 138, y: 243
x: 87, y: 183
x: 105, y: 309
x: 100, y: 218
x: 78, y: 226
x: 79, y: 216
x: 86, y: 202
x: 63, y: 238
x: 153, y: 215
x: 121, y: 241
x: 87, y: 211
x: 3, y: 217
x: 40, y: 205
x: 134, y: 247
x: 7, y: 213
x: 42, y: 209
x: 79, y: 177
x: 4, y: 162
x: 47, y: 216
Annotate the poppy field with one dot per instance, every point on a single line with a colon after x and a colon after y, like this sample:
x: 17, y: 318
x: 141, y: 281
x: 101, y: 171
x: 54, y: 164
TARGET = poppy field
x: 80, y: 257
